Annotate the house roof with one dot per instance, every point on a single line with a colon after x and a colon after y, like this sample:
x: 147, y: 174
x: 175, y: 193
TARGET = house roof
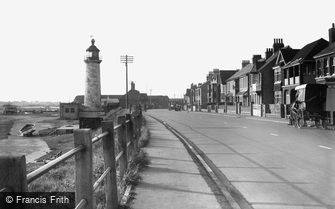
x: 225, y: 74
x: 288, y: 53
x: 270, y: 62
x: 307, y: 52
x: 329, y: 50
x: 241, y: 72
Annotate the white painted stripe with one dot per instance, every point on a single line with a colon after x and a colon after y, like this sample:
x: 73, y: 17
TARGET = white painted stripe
x: 272, y: 134
x: 324, y: 147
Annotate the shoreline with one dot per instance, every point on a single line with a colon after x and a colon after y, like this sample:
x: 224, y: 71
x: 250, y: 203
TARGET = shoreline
x: 33, y: 147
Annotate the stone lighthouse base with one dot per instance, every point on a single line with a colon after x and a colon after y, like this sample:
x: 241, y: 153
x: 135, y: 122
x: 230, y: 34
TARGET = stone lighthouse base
x: 90, y: 119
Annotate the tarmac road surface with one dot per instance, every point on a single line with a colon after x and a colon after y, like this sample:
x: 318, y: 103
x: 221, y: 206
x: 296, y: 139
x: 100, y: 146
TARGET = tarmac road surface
x: 272, y: 164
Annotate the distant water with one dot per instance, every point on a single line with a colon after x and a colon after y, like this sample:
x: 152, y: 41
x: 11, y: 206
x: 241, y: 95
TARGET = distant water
x: 5, y: 126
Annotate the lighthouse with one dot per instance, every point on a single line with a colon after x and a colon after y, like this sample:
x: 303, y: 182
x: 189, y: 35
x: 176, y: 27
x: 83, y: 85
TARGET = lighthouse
x: 91, y: 113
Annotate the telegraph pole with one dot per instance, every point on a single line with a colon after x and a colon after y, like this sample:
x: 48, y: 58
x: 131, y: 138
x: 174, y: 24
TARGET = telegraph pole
x: 126, y: 59
x: 150, y: 98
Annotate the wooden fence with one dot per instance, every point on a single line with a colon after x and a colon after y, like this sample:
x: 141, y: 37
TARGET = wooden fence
x: 13, y: 177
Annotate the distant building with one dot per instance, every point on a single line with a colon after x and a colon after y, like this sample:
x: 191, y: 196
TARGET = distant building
x: 224, y: 75
x: 158, y: 102
x: 9, y: 109
x: 178, y: 101
x: 213, y: 79
x: 69, y: 111
x: 188, y: 98
x: 238, y: 83
x: 109, y: 102
x: 134, y: 98
x: 197, y: 95
x: 204, y: 95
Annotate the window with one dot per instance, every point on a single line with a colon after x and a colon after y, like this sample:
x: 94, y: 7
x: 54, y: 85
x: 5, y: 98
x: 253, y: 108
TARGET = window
x: 296, y: 71
x: 66, y: 110
x: 277, y: 97
x: 72, y: 110
x: 332, y: 65
x: 290, y: 72
x: 277, y: 75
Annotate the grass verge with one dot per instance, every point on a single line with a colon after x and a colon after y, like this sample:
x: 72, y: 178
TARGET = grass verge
x: 62, y: 178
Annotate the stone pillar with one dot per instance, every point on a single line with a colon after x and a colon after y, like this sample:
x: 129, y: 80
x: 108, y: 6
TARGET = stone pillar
x: 92, y: 98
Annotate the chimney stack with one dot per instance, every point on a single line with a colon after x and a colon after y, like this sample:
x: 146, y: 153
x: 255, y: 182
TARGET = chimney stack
x: 268, y: 53
x: 245, y: 63
x: 332, y: 34
x: 277, y: 44
x: 255, y: 58
x: 132, y: 85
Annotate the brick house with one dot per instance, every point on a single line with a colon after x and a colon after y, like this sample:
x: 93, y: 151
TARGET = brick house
x: 213, y: 79
x: 284, y: 55
x: 204, y: 95
x: 239, y: 83
x: 301, y: 69
x: 325, y: 72
x: 262, y: 84
x: 134, y: 98
x: 222, y: 88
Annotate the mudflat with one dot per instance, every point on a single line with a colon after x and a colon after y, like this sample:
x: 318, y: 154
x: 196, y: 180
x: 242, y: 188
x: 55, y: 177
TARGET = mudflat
x: 11, y: 143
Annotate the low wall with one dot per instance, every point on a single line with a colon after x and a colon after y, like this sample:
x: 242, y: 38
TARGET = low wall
x: 257, y: 110
x: 231, y: 109
x: 245, y: 110
x: 273, y: 110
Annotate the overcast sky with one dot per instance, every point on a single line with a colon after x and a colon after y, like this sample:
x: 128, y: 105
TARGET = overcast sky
x: 174, y: 42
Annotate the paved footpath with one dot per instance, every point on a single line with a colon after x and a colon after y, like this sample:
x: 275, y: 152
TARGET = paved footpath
x: 172, y: 179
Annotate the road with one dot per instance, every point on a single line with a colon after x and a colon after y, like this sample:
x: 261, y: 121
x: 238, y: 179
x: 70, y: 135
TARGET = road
x: 273, y: 165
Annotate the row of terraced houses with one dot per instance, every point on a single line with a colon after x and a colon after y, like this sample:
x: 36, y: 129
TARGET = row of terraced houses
x: 266, y: 85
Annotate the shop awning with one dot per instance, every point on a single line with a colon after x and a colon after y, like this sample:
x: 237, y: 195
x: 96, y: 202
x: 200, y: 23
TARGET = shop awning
x: 242, y: 93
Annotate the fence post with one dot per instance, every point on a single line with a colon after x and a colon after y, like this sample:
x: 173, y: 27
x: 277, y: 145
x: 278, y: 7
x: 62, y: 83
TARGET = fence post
x: 236, y: 107
x: 109, y: 159
x: 134, y: 131
x: 13, y: 174
x: 129, y: 134
x: 83, y: 165
x: 137, y: 132
x: 122, y: 140
x: 140, y: 122
x: 251, y: 109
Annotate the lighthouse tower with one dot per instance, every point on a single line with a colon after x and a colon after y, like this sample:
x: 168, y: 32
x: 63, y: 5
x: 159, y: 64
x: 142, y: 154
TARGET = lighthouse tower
x: 91, y: 113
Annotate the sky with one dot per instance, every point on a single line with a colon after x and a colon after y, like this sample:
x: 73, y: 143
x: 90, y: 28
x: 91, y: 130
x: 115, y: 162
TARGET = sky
x: 174, y: 42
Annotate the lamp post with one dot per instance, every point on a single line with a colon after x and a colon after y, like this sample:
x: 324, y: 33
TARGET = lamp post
x: 126, y: 59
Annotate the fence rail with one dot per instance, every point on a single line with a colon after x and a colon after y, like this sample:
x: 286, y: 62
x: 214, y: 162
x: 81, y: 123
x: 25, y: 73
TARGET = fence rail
x: 13, y: 177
